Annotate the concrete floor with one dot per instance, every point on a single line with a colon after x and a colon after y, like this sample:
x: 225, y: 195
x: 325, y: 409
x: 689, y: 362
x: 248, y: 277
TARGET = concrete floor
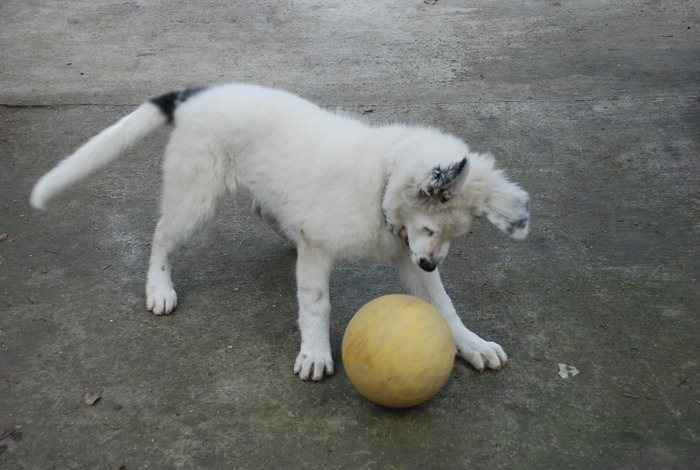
x: 592, y: 105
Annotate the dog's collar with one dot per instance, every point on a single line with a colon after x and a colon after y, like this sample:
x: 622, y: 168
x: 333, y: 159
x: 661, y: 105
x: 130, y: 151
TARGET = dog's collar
x: 388, y: 223
x: 401, y: 231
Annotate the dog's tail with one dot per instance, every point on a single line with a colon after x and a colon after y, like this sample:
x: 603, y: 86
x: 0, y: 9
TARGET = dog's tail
x: 108, y: 145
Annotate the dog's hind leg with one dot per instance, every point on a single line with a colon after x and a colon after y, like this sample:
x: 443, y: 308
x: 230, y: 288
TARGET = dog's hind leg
x: 428, y: 286
x: 192, y: 190
x: 313, y: 274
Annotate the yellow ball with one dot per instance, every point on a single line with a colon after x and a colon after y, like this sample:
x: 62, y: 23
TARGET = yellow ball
x: 398, y: 351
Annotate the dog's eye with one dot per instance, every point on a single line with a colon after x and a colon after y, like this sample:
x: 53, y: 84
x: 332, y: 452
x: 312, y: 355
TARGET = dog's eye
x: 428, y: 232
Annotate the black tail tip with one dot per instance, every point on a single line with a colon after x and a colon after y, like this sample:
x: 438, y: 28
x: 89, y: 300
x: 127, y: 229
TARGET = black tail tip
x: 168, y: 102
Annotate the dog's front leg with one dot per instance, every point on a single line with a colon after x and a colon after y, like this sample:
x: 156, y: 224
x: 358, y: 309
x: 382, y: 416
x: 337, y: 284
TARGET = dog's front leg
x: 313, y: 274
x: 428, y: 286
x: 161, y: 298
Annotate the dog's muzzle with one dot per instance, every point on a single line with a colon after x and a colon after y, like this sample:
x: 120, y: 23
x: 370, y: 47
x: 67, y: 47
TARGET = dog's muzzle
x: 427, y: 265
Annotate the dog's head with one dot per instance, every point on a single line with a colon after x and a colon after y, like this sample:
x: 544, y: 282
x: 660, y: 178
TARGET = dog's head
x: 436, y: 187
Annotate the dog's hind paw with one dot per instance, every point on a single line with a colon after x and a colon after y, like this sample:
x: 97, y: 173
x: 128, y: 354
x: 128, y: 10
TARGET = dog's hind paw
x: 482, y: 354
x: 313, y: 366
x: 161, y: 300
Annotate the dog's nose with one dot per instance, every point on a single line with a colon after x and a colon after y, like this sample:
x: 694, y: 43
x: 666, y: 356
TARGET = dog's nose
x: 427, y: 265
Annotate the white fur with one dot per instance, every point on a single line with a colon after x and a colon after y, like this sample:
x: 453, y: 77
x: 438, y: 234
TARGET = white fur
x: 336, y: 187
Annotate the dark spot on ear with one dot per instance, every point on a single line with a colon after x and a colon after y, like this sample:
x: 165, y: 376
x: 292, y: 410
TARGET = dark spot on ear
x: 461, y: 165
x: 516, y: 225
x: 443, y: 180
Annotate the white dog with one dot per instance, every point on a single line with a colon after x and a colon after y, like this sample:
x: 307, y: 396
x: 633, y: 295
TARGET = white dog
x: 337, y: 188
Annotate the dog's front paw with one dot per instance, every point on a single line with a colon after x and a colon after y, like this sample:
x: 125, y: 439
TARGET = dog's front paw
x: 313, y: 365
x: 161, y: 300
x: 481, y: 354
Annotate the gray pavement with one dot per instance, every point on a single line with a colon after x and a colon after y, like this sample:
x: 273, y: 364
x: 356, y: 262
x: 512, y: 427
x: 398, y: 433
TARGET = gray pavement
x: 591, y: 105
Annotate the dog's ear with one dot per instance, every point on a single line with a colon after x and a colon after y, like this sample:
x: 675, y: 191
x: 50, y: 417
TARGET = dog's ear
x: 508, y: 207
x: 446, y: 182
